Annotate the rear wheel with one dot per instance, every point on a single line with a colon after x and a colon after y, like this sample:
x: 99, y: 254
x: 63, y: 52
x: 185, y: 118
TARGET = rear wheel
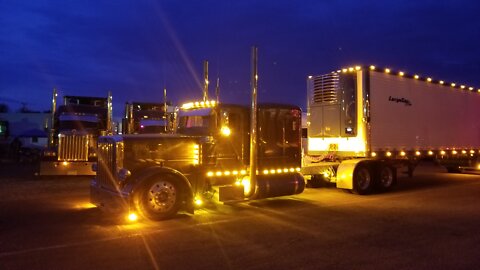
x: 159, y: 197
x: 362, y: 180
x: 386, y: 178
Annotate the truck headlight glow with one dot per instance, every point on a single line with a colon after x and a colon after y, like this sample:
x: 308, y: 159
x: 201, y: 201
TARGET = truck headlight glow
x: 225, y: 131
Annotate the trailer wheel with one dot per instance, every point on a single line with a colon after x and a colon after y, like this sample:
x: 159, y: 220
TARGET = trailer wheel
x: 362, y: 180
x: 386, y: 178
x: 159, y: 197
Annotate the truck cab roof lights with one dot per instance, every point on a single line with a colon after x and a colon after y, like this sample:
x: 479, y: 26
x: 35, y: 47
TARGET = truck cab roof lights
x: 199, y: 104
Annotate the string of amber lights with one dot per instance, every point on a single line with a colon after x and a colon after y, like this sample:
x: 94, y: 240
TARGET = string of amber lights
x: 404, y: 74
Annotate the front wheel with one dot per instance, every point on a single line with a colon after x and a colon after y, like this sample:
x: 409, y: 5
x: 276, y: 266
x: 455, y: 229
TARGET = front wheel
x: 362, y: 180
x: 159, y: 197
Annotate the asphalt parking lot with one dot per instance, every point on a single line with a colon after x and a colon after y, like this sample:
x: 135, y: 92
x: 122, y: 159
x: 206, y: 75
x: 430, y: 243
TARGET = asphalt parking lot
x: 427, y: 222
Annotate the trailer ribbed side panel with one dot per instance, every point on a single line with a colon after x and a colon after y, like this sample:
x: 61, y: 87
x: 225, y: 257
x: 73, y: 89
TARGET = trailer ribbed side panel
x: 410, y: 114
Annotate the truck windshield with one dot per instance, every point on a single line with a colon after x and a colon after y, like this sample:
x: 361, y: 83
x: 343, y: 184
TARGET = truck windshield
x: 152, y: 126
x: 80, y: 122
x: 195, y: 122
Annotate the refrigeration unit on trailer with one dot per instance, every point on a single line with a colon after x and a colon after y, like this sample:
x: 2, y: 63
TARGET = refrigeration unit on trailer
x: 365, y: 123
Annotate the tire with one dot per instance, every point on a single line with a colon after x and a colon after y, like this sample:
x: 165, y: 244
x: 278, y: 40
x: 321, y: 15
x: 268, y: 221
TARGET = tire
x: 387, y: 178
x: 362, y: 180
x: 159, y: 197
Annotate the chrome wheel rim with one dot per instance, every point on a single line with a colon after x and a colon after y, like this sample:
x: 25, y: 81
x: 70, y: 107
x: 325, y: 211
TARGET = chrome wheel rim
x: 162, y: 196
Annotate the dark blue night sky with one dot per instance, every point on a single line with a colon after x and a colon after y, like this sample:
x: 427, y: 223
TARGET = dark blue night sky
x: 135, y: 48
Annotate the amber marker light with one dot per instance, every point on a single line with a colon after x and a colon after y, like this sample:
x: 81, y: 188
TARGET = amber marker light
x: 441, y: 82
x: 387, y: 70
x: 389, y: 154
x: 442, y: 152
x: 416, y: 77
x: 402, y: 154
x: 429, y: 79
x: 65, y: 163
x: 374, y: 154
x: 132, y: 217
x: 430, y: 153
x: 401, y: 73
x: 198, y: 201
x: 453, y: 84
x: 417, y: 153
x: 372, y: 67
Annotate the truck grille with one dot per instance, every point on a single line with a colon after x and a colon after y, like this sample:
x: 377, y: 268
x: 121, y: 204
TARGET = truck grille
x: 325, y: 88
x: 110, y: 157
x: 73, y: 146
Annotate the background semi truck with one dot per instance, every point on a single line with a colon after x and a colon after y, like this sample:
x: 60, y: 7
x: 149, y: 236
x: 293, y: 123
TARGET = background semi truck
x: 365, y: 123
x: 77, y: 124
x: 144, y: 117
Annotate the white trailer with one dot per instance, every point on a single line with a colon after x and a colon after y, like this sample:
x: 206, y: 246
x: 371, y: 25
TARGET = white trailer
x: 365, y: 123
